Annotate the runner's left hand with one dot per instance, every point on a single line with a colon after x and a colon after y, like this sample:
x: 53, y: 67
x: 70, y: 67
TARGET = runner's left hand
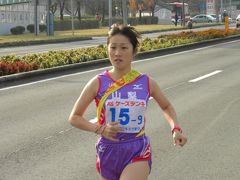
x: 179, y: 139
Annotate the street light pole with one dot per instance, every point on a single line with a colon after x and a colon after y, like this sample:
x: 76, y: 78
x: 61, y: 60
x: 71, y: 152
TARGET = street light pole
x: 72, y: 18
x: 48, y: 17
x: 230, y: 8
x: 110, y: 13
x: 221, y: 7
x: 36, y: 17
x: 183, y: 13
x: 124, y: 6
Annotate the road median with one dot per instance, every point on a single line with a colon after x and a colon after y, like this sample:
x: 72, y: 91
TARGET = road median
x: 66, y: 69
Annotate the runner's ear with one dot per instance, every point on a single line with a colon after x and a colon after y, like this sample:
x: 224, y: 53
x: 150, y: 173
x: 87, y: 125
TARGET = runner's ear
x: 135, y: 52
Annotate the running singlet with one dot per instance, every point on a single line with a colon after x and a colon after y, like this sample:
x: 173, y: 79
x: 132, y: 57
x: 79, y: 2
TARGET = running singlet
x: 126, y: 105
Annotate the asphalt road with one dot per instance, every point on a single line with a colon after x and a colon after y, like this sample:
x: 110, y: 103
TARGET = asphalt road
x: 23, y: 50
x: 37, y: 142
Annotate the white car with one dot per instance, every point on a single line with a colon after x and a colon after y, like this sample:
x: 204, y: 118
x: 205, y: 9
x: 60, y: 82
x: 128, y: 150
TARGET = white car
x: 203, y: 18
x: 220, y: 17
x: 238, y: 21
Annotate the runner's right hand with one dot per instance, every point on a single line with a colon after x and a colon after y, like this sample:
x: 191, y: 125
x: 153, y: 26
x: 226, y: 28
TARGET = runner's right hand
x: 111, y: 131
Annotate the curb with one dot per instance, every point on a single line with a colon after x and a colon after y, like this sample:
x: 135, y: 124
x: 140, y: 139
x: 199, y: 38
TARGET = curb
x: 46, y: 41
x: 104, y: 62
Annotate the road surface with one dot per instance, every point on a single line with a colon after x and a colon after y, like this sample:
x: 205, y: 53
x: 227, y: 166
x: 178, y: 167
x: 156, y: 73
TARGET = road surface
x: 37, y: 142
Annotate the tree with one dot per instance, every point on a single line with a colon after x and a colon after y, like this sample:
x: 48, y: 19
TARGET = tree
x: 77, y: 4
x: 103, y: 2
x: 53, y: 7
x: 152, y: 6
x: 140, y: 5
x: 61, y: 4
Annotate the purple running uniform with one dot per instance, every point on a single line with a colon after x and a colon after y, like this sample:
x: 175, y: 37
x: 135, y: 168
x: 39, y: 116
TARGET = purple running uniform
x: 126, y: 105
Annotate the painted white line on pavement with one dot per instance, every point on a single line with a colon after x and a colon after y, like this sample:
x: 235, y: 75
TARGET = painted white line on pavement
x: 68, y: 129
x: 205, y: 76
x: 49, y: 137
x: 94, y: 120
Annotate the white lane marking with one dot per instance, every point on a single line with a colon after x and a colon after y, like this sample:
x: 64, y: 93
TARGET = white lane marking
x: 94, y: 120
x: 49, y: 137
x: 49, y: 79
x: 143, y: 60
x: 68, y: 129
x: 205, y: 76
x: 174, y: 86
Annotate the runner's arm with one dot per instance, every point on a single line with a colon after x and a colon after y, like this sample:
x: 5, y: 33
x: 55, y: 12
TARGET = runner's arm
x: 164, y: 103
x: 169, y: 113
x: 86, y: 97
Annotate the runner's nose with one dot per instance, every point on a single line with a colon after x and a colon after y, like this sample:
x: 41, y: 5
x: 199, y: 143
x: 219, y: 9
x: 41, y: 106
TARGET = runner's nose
x: 118, y: 52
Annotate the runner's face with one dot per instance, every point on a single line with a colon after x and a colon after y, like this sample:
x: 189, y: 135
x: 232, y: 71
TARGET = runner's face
x: 120, y: 51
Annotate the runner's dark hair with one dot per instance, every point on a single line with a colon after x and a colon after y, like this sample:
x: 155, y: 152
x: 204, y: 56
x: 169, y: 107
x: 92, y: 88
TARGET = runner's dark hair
x: 130, y: 32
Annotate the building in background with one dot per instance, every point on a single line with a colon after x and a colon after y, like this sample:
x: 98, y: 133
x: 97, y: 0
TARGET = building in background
x: 163, y: 14
x: 19, y: 12
x: 231, y: 6
x: 210, y: 7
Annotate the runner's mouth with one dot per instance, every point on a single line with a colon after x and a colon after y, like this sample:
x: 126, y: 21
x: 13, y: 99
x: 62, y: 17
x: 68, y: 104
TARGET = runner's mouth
x: 118, y: 60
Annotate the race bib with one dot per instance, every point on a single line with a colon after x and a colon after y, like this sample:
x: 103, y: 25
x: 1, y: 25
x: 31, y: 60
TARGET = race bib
x: 129, y: 113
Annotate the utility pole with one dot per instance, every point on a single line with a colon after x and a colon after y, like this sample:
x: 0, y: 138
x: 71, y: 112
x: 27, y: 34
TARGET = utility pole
x: 72, y: 18
x: 125, y: 16
x: 230, y: 3
x: 221, y: 8
x: 183, y: 13
x: 216, y: 6
x: 36, y: 17
x: 110, y: 13
x: 48, y: 17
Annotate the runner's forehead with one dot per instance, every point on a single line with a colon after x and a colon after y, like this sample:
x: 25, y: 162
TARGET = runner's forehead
x: 119, y: 43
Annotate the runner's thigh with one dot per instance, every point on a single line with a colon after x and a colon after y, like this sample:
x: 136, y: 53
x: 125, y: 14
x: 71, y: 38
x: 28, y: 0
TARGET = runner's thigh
x: 137, y: 170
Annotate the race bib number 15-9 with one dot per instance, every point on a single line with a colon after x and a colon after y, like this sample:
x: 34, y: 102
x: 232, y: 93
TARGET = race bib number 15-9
x: 129, y: 113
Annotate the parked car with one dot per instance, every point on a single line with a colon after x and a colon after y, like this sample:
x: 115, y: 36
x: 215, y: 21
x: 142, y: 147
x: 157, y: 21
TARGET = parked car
x: 202, y: 18
x: 238, y: 21
x: 220, y: 18
x: 213, y: 15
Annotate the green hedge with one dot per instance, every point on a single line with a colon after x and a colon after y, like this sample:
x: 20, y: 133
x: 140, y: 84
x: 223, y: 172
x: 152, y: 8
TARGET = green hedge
x: 17, y: 30
x: 133, y: 21
x: 31, y: 28
x: 62, y: 25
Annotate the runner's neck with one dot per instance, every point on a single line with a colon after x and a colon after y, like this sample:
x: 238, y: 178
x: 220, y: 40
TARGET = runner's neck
x: 116, y: 74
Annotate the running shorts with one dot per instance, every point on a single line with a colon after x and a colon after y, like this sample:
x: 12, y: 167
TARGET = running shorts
x: 113, y: 157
